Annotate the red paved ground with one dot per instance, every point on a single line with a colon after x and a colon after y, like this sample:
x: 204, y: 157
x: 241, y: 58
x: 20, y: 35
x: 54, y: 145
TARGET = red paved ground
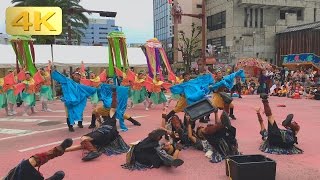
x: 196, y: 166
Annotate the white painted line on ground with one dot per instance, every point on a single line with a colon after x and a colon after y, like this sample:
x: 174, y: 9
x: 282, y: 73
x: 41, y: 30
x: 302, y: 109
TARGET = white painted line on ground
x: 36, y: 132
x: 135, y: 117
x: 14, y: 131
x: 51, y: 116
x: 44, y: 145
x: 22, y: 120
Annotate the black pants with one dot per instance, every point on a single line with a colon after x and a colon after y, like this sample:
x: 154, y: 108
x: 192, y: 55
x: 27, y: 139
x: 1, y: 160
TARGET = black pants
x: 275, y: 138
x: 24, y: 171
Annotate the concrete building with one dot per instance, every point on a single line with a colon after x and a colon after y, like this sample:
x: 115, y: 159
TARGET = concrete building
x: 163, y: 22
x: 97, y: 32
x: 247, y: 28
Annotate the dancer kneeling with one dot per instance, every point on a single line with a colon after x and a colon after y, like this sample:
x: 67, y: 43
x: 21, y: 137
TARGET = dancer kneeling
x: 278, y: 141
x: 26, y: 170
x: 221, y: 136
x: 148, y: 153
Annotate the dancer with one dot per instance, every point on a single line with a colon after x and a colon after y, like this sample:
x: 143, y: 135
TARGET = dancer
x: 148, y: 153
x: 95, y: 82
x: 27, y: 168
x: 28, y: 95
x: 157, y: 94
x: 11, y: 98
x: 221, y: 136
x: 182, y: 101
x: 178, y: 80
x: 275, y: 140
x: 74, y: 97
x: 237, y: 87
x: 139, y: 92
x: 219, y: 97
x: 105, y: 139
x: 46, y: 91
x: 3, y: 97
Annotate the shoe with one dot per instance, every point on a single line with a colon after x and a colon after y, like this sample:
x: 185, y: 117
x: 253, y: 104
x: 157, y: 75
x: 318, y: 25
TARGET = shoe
x: 10, y: 114
x: 14, y: 112
x: 226, y: 98
x: 240, y: 97
x: 264, y: 96
x: 24, y: 114
x: 225, y: 120
x: 71, y: 129
x: 288, y: 120
x: 232, y: 117
x: 80, y: 124
x: 92, y: 126
x: 177, y: 162
x: 59, y: 175
x: 49, y: 110
x: 91, y: 155
x: 147, y: 109
x: 136, y: 123
x: 66, y: 143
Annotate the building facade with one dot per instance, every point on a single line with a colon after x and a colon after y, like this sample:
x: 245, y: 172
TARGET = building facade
x: 97, y: 31
x: 164, y: 27
x: 248, y: 28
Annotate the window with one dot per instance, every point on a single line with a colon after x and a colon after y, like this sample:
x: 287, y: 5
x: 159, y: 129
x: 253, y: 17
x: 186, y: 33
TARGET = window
x: 251, y: 12
x: 315, y: 15
x: 299, y: 15
x: 218, y: 42
x: 256, y: 11
x: 199, y: 6
x: 217, y: 21
x: 261, y: 18
x: 245, y: 17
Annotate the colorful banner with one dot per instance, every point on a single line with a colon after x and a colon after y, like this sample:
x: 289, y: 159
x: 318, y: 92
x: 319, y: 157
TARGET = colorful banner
x: 118, y: 56
x: 155, y: 54
x: 302, y: 58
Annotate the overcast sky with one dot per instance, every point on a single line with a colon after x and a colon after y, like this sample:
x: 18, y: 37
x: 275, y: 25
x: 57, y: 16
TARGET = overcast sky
x: 135, y: 16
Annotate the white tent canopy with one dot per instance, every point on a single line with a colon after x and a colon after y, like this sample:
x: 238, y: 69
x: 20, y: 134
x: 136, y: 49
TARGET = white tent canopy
x: 67, y: 55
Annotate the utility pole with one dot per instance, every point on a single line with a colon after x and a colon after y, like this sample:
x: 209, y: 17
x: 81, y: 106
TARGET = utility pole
x: 177, y: 14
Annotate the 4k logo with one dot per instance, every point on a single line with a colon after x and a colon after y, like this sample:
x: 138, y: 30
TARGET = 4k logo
x: 34, y: 20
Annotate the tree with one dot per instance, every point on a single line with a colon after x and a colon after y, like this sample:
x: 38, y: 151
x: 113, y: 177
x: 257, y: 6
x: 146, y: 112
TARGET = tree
x: 77, y: 20
x: 189, y: 46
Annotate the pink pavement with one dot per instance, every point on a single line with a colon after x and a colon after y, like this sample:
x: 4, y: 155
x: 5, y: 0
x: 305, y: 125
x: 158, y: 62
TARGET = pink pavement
x: 196, y: 166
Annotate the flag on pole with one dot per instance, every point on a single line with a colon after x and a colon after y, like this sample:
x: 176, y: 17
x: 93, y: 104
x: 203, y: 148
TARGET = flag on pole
x: 103, y: 76
x: 131, y: 75
x: 21, y: 75
x: 18, y: 88
x: 38, y: 78
x: 9, y: 79
x: 118, y: 72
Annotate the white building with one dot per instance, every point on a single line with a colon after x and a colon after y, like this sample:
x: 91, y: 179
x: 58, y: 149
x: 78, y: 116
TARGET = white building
x: 4, y: 39
x: 98, y: 30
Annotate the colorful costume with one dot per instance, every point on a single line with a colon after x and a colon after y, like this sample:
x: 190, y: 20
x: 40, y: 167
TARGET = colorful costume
x: 139, y: 92
x: 157, y: 94
x: 46, y: 91
x: 95, y: 83
x: 3, y: 96
x: 29, y: 95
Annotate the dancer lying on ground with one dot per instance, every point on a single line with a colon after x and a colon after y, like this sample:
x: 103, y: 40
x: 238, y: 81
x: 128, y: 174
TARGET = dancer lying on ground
x: 26, y: 170
x: 278, y: 141
x: 105, y: 139
x: 221, y: 136
x: 149, y: 153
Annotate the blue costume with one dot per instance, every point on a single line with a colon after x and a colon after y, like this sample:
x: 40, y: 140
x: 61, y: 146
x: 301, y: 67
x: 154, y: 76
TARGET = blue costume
x: 228, y: 81
x: 195, y: 89
x: 105, y: 95
x: 74, y: 96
